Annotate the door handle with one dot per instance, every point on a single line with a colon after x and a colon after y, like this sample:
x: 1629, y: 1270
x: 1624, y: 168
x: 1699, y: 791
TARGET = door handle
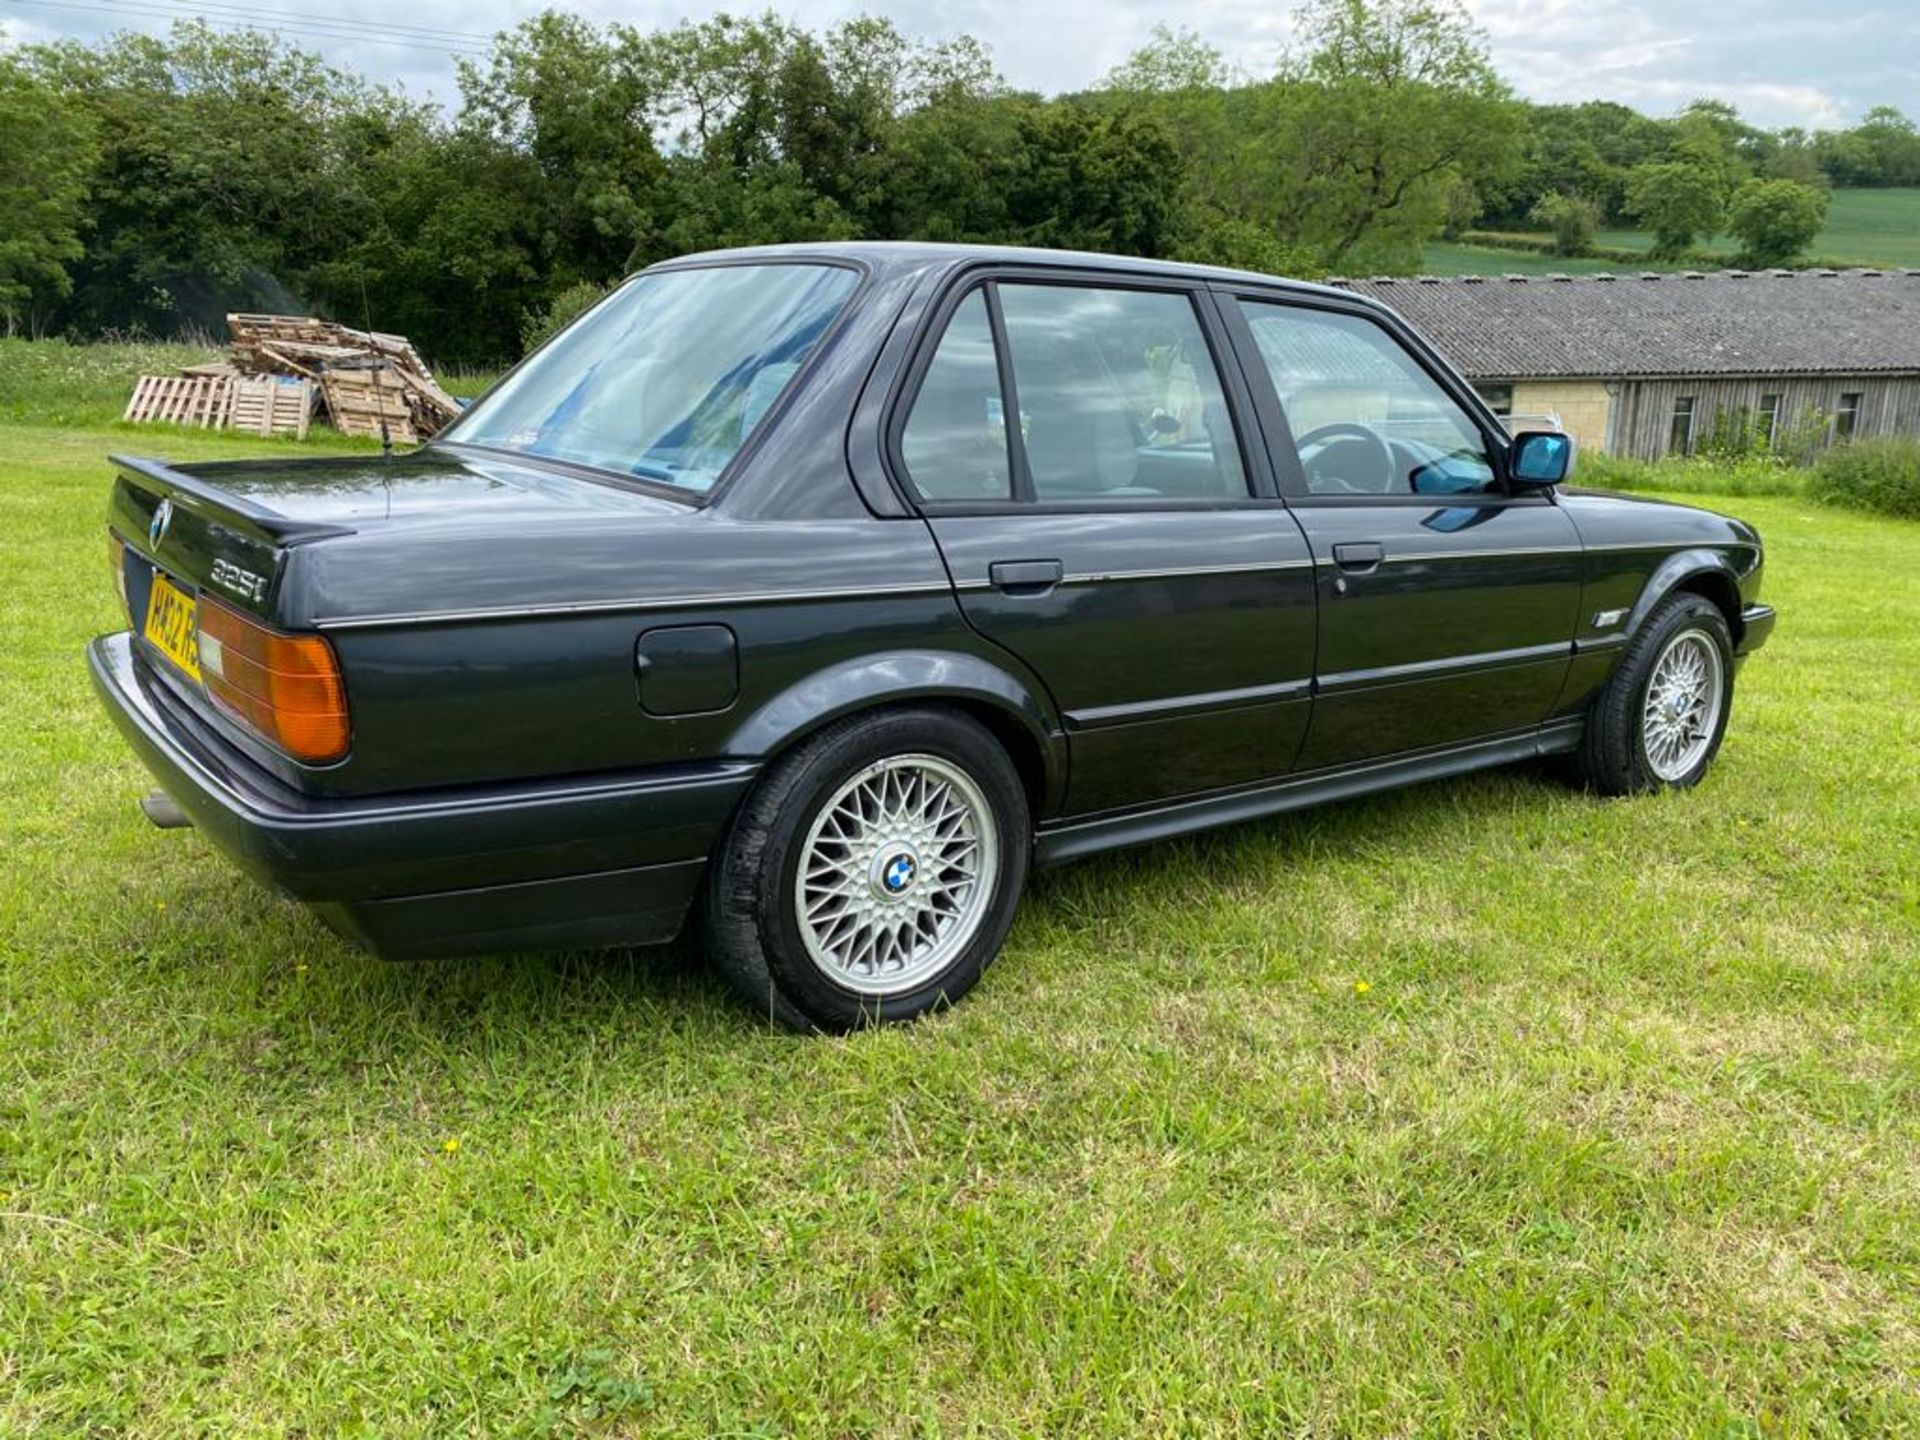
x: 1359, y: 557
x: 1025, y: 577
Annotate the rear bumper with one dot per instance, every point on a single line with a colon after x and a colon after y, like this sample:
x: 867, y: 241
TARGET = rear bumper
x: 1756, y: 624
x: 543, y: 865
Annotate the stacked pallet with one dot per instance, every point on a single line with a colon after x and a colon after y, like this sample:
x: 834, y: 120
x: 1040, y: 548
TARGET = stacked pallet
x: 364, y: 376
x: 367, y: 383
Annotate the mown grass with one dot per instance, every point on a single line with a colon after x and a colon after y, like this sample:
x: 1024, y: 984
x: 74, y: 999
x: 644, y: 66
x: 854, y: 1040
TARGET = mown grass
x: 1481, y: 1109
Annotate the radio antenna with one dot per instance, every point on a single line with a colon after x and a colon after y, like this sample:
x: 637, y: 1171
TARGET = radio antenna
x: 379, y: 364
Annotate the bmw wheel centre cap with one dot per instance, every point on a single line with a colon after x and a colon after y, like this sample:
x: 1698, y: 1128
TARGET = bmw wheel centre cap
x: 894, y: 871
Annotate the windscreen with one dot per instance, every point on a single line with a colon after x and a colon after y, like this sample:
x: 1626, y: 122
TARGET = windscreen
x: 666, y: 379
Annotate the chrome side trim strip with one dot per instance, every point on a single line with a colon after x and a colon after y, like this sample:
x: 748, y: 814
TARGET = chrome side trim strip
x: 1094, y: 577
x: 1435, y: 669
x: 1180, y: 572
x: 635, y: 604
x: 1668, y: 545
x: 1410, y: 557
x: 1100, y: 717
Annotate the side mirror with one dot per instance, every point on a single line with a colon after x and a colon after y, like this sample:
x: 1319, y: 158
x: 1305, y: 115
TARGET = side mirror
x: 1539, y: 458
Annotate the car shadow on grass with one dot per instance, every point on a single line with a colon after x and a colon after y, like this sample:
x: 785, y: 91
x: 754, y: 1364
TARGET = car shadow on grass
x: 672, y: 986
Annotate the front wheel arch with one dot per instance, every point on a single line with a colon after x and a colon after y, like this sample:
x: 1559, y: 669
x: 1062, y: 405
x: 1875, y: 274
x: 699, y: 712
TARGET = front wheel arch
x: 1706, y: 573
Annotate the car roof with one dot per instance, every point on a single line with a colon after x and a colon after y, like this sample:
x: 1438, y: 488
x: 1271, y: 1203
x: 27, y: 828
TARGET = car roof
x: 891, y: 255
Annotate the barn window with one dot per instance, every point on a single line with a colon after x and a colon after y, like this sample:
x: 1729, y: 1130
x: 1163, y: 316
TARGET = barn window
x: 1499, y: 398
x: 1680, y: 434
x: 1769, y: 426
x: 1846, y: 419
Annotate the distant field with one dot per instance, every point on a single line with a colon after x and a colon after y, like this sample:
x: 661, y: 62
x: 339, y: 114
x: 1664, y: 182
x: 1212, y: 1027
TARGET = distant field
x: 1864, y: 227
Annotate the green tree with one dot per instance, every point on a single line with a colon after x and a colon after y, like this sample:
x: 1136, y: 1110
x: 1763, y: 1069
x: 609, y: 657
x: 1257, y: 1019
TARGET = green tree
x: 1571, y: 218
x: 1776, y: 219
x: 1172, y: 62
x: 1395, y: 102
x: 46, y: 161
x: 1087, y: 180
x: 577, y: 104
x: 218, y: 180
x: 1893, y: 144
x: 1677, y: 201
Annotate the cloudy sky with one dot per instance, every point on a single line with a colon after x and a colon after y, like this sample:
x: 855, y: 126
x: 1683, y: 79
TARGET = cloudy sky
x: 1799, y: 62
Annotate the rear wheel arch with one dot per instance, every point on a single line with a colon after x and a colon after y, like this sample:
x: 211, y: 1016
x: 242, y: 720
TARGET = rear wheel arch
x: 1010, y: 711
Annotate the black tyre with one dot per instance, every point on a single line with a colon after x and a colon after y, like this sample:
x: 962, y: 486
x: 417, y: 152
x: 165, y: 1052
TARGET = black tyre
x: 1659, y: 722
x: 872, y: 874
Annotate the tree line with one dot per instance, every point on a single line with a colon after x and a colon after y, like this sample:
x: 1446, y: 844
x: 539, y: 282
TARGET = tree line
x: 151, y: 184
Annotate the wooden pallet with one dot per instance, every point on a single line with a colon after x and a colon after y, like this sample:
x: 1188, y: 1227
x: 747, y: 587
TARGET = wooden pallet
x: 356, y: 401
x: 202, y: 400
x: 272, y: 407
x: 305, y: 346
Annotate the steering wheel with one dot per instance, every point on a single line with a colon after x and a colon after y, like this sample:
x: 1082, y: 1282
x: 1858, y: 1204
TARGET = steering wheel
x: 1376, y: 445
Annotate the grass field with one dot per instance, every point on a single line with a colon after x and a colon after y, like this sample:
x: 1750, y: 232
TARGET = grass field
x: 1864, y: 227
x: 1483, y: 1109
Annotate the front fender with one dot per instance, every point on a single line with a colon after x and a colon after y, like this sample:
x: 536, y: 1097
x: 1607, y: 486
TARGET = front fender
x: 896, y: 676
x: 1704, y: 569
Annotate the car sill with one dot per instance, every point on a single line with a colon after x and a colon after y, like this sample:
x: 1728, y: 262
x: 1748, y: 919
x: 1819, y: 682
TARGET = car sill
x: 1076, y: 839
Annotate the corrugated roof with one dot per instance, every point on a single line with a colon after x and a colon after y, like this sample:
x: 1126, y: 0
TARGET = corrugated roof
x: 1726, y: 322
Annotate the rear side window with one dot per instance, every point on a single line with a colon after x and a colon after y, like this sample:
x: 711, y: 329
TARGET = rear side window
x: 955, y: 440
x: 1119, y: 398
x: 1115, y: 392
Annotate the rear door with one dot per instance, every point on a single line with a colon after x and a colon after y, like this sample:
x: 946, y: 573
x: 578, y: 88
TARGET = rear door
x: 1072, y: 443
x: 1447, y: 606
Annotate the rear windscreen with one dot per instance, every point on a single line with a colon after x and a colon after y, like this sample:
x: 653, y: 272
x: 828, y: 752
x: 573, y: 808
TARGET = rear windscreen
x: 667, y: 378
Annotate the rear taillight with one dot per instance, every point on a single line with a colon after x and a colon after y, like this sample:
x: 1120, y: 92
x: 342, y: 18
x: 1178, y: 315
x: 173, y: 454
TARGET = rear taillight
x: 287, y: 688
x: 117, y: 558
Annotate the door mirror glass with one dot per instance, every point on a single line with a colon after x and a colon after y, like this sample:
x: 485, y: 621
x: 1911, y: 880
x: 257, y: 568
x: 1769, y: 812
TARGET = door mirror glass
x: 1540, y: 457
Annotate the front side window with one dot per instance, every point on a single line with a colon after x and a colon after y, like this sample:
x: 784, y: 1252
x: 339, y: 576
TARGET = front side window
x: 1366, y: 418
x: 1119, y: 399
x: 666, y: 379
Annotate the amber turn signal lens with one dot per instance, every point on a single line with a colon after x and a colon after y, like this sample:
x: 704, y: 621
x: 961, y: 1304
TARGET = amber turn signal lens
x: 285, y: 687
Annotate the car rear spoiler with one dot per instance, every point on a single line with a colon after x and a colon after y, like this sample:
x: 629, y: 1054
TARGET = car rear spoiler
x: 269, y: 525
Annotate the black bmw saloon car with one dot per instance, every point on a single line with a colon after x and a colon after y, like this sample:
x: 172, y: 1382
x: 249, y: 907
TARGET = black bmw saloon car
x: 819, y: 592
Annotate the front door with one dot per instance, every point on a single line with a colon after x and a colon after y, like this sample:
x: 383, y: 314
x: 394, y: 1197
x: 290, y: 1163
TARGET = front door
x: 1447, y: 606
x: 1073, y: 451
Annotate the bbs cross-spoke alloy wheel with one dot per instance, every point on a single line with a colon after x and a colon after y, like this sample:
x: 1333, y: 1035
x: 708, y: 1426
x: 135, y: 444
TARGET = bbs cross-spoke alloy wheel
x: 896, y: 873
x: 1659, y: 721
x: 873, y: 873
x: 1679, y: 718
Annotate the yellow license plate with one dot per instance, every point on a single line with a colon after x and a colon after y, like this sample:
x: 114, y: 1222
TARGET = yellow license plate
x: 171, y: 624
